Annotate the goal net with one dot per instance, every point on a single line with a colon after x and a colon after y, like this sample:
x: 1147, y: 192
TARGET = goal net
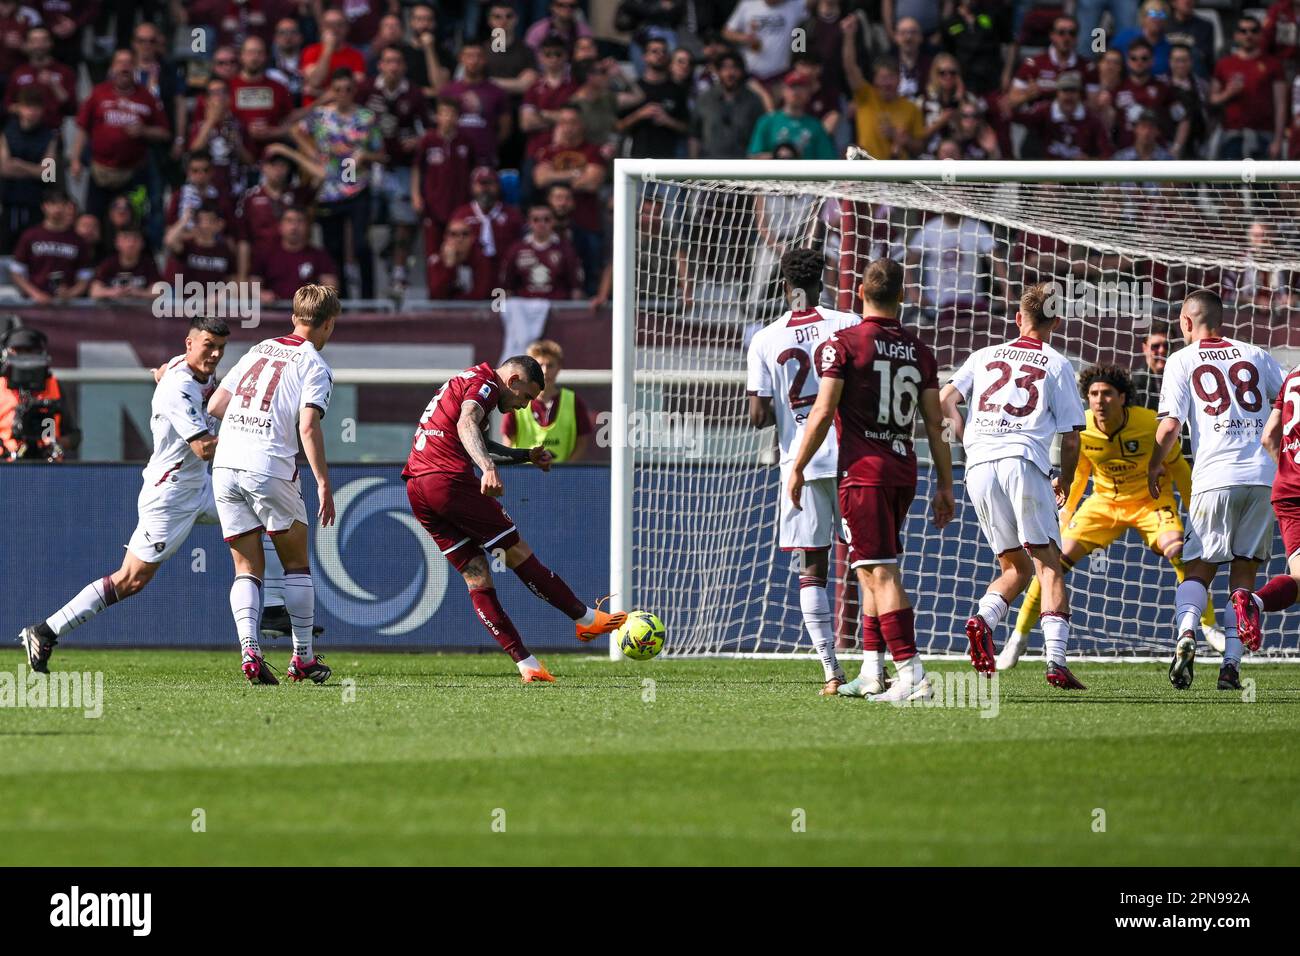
x: 696, y: 273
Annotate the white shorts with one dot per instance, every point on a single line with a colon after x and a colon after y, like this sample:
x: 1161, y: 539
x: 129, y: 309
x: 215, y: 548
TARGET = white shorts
x: 247, y: 501
x: 166, y: 517
x: 813, y: 528
x: 1015, y: 504
x: 1228, y: 523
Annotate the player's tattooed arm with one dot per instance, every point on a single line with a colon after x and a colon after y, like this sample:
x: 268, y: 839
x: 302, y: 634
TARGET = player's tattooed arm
x: 469, y: 427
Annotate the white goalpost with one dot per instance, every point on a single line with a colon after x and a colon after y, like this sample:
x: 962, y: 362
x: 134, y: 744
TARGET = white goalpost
x: 693, y: 497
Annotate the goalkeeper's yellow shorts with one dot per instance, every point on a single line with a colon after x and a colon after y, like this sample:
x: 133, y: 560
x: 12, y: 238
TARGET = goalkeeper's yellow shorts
x: 1099, y: 522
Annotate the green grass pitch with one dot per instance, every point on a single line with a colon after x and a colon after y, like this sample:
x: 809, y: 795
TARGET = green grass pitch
x: 437, y: 752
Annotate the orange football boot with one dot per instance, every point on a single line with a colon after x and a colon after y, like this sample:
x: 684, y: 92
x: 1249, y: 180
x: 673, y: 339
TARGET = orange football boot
x: 605, y: 622
x: 529, y: 675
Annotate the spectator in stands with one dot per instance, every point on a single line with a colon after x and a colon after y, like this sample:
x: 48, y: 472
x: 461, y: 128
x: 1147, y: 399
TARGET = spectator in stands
x: 496, y: 226
x: 1065, y: 128
x: 164, y: 79
x: 650, y: 19
x: 400, y: 110
x: 600, y: 105
x: 560, y: 197
x: 260, y: 209
x: 792, y: 124
x: 1144, y: 92
x: 1191, y: 92
x: 363, y: 18
x: 946, y: 259
x: 913, y: 61
x: 1145, y: 143
x: 1123, y: 14
x: 510, y: 61
x: 28, y: 148
x: 15, y: 20
x: 976, y: 138
x: 130, y: 273
x: 762, y: 29
x: 1101, y: 101
x: 1153, y: 19
x: 428, y: 62
x: 119, y: 119
x: 570, y: 159
x: 943, y: 99
x: 821, y: 106
x: 89, y: 231
x: 122, y: 214
x: 56, y: 82
x: 225, y: 66
x: 781, y: 221
x: 1185, y: 28
x: 1282, y: 31
x: 1257, y: 290
x: 825, y: 39
x: 236, y: 20
x: 725, y: 114
x: 889, y: 126
x: 1035, y: 79
x: 656, y: 128
x: 542, y: 265
x: 198, y: 250
x: 542, y: 103
x: 262, y: 105
x: 199, y: 188
x: 893, y: 12
x: 1147, y: 380
x: 218, y: 131
x: 563, y: 21
x: 440, y: 176
x: 66, y: 20
x: 50, y: 262
x: 459, y: 269
x: 284, y: 267
x: 485, y: 116
x: 286, y: 58
x: 321, y: 61
x: 557, y: 418
x: 975, y: 34
x: 1250, y: 89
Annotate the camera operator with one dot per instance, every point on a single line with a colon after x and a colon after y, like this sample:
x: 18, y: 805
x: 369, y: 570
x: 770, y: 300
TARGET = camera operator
x: 34, y: 424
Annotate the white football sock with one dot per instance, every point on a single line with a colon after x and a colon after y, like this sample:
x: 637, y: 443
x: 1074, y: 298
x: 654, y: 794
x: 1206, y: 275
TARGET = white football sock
x: 588, y: 618
x: 529, y: 663
x: 246, y: 606
x: 300, y: 602
x: 910, y: 671
x: 1056, y: 635
x: 1232, y: 647
x: 1189, y: 604
x: 993, y: 608
x: 273, y: 577
x: 816, y: 607
x: 873, y: 664
x: 90, y: 600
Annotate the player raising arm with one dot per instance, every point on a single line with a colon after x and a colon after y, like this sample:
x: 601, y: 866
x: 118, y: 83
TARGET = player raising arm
x: 177, y: 491
x: 1019, y: 396
x: 1282, y: 442
x: 783, y: 385
x: 278, y: 392
x: 874, y: 377
x: 1220, y: 387
x: 1116, y: 445
x: 461, y: 512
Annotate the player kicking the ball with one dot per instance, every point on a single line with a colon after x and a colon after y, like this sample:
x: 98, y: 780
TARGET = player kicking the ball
x: 1116, y: 446
x: 278, y: 391
x: 1019, y: 396
x: 782, y: 388
x: 874, y: 377
x: 1221, y: 387
x: 461, y: 513
x: 1282, y: 441
x: 176, y: 494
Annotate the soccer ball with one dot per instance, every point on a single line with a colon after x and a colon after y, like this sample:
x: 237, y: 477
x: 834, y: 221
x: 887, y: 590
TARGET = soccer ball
x: 641, y: 637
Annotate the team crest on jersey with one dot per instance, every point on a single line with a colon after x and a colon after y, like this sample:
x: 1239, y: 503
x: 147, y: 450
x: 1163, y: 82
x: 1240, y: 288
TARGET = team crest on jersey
x: 1131, y: 446
x: 158, y: 546
x: 485, y: 390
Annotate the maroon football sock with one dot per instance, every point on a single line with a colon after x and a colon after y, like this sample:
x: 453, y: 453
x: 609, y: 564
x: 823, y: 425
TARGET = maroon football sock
x: 872, y: 639
x: 550, y: 587
x: 898, y: 629
x: 497, y: 622
x: 1279, y: 593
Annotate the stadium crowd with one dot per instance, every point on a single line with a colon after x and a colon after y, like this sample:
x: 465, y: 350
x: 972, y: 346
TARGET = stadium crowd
x: 454, y: 149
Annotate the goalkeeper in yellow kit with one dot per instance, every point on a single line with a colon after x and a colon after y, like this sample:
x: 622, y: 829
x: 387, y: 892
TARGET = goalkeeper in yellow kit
x: 1116, y: 444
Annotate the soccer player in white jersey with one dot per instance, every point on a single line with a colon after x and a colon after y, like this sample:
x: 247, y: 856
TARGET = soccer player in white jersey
x: 1225, y: 390
x: 177, y: 491
x: 782, y: 388
x: 1020, y: 396
x: 278, y: 391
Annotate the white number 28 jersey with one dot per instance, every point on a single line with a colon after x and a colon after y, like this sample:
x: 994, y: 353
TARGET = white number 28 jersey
x: 1225, y: 390
x: 781, y: 367
x: 269, y: 386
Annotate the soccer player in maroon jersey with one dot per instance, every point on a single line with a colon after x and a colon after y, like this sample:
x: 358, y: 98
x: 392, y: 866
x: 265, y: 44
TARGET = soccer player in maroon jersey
x: 1282, y: 441
x: 462, y: 514
x: 874, y: 378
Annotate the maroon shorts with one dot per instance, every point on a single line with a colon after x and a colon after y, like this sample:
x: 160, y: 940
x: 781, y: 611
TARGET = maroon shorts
x: 1288, y: 519
x: 459, y: 517
x: 871, y: 520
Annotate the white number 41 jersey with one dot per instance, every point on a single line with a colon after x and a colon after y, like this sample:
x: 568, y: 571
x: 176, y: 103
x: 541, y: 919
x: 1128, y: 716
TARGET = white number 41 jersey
x: 781, y: 368
x: 269, y: 386
x: 1225, y: 390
